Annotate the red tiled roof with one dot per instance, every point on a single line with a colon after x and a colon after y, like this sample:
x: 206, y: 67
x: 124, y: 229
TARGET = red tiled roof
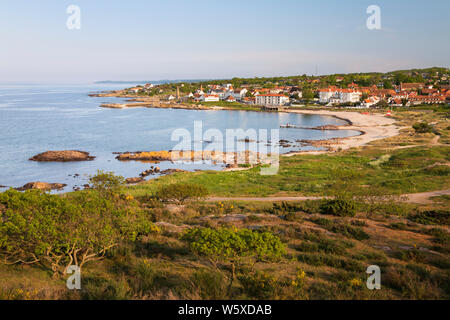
x: 272, y: 95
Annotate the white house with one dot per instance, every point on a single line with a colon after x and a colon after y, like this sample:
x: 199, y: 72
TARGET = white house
x: 239, y: 94
x: 370, y: 102
x: 325, y: 95
x: 271, y: 99
x: 348, y: 95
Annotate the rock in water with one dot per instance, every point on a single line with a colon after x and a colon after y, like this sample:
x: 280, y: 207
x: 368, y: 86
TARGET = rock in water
x: 63, y: 156
x: 42, y: 186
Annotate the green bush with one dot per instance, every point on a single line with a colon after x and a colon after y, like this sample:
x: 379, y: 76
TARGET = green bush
x: 423, y: 127
x: 231, y: 243
x: 285, y: 207
x: 441, y: 217
x: 180, y: 192
x: 106, y: 182
x: 350, y: 231
x: 341, y: 206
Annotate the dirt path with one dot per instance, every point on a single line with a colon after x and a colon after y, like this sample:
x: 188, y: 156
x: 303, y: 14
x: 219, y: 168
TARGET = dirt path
x: 423, y: 197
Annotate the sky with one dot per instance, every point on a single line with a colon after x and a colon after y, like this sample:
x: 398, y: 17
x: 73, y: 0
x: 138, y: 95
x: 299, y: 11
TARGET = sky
x: 210, y: 39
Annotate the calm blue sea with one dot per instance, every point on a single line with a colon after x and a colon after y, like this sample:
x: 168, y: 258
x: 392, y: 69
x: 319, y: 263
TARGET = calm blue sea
x: 37, y: 118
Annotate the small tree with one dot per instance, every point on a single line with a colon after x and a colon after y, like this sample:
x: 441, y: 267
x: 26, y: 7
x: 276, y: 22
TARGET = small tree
x: 106, y: 182
x: 231, y: 245
x: 423, y: 127
x: 60, y: 231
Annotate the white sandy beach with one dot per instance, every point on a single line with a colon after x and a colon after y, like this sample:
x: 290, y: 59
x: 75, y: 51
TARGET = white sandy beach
x: 373, y: 126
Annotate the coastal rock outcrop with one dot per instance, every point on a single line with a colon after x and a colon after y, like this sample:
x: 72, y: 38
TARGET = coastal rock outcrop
x: 44, y: 186
x: 134, y: 180
x: 63, y: 156
x: 170, y: 171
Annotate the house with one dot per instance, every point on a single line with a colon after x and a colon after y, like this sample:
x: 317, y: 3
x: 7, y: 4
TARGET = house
x: 325, y: 95
x: 349, y: 95
x: 230, y: 98
x: 249, y: 100
x: 411, y: 86
x: 369, y: 102
x: 238, y: 94
x: 397, y: 103
x: 429, y: 92
x: 271, y: 99
x: 335, y: 96
x: 419, y: 99
x: 209, y: 98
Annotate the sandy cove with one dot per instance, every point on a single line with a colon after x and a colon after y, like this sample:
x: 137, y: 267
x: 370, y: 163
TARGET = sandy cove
x: 372, y: 127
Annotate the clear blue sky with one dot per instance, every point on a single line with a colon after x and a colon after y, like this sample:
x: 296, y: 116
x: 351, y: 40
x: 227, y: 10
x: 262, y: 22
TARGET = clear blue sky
x: 173, y: 39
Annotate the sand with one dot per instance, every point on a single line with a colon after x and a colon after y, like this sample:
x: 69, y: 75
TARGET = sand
x: 372, y: 126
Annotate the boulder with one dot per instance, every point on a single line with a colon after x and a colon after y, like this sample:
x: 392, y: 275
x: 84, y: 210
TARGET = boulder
x: 44, y: 186
x: 134, y: 180
x: 63, y: 156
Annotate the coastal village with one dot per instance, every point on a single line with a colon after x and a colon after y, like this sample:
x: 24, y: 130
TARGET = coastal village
x: 357, y: 91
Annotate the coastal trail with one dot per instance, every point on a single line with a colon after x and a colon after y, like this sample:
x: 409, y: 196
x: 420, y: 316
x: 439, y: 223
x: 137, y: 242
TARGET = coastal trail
x: 422, y: 197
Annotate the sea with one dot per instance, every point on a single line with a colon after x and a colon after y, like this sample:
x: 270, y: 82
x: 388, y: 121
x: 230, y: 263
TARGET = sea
x: 39, y: 117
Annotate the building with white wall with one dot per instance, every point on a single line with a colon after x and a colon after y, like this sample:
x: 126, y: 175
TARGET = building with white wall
x: 271, y: 100
x: 349, y: 95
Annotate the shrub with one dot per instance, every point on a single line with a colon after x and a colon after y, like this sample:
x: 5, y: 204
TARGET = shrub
x: 341, y: 206
x: 423, y: 127
x: 106, y: 182
x: 432, y: 217
x: 321, y: 259
x: 210, y: 285
x: 349, y: 231
x: 259, y: 285
x: 441, y: 236
x: 180, y: 192
x: 285, y: 207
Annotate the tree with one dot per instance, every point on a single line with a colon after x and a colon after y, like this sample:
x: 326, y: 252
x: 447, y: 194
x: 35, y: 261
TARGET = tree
x: 308, y: 95
x: 231, y: 245
x: 59, y: 231
x: 404, y: 102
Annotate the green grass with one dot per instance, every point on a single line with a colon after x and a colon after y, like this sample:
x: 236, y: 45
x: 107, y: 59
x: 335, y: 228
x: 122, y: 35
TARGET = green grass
x: 232, y: 105
x: 406, y: 171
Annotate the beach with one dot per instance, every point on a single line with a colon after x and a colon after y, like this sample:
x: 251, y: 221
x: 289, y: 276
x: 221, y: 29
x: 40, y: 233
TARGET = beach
x: 372, y: 127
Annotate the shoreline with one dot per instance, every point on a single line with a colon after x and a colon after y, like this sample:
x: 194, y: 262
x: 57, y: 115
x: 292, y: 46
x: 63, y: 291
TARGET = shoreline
x: 372, y: 127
